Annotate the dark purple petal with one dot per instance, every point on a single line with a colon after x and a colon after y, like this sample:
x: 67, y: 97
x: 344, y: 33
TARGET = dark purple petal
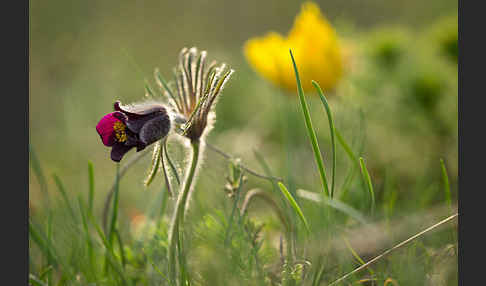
x: 138, y: 115
x: 155, y: 129
x: 132, y: 139
x: 135, y: 124
x: 119, y: 115
x: 118, y: 151
x: 140, y: 146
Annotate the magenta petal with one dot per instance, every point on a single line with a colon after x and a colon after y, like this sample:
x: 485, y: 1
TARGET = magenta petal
x: 105, y: 128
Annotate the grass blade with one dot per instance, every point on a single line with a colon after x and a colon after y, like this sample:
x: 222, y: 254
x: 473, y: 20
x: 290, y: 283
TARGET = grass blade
x: 62, y: 190
x: 367, y: 179
x: 346, y: 147
x: 334, y: 203
x: 163, y: 206
x: 352, y: 157
x: 45, y: 272
x: 49, y: 242
x: 156, y: 268
x: 110, y: 256
x: 148, y: 90
x: 233, y: 211
x: 353, y: 252
x: 40, y: 240
x: 310, y: 129
x: 445, y: 180
x: 91, y: 186
x: 294, y: 205
x: 106, y: 207
x: 35, y: 281
x: 348, y: 180
x: 331, y: 128
x: 447, y: 190
x: 115, y: 206
x: 36, y: 167
x: 122, y: 250
x: 263, y: 163
x: 268, y: 172
x: 318, y: 276
x: 89, y: 243
x: 162, y: 83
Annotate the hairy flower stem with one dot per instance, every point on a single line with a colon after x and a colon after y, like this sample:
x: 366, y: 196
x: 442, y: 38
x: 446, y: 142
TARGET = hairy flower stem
x: 178, y: 216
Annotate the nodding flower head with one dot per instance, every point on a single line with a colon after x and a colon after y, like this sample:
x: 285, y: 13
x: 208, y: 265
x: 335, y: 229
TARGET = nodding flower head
x: 137, y: 125
x: 197, y: 86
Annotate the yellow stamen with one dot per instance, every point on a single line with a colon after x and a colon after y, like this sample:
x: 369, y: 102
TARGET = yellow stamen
x: 120, y: 134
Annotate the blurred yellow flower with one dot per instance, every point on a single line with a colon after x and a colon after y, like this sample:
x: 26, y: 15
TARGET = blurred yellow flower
x: 315, y: 47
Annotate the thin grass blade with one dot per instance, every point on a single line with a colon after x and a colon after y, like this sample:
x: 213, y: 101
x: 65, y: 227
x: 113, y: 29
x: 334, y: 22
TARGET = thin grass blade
x: 346, y: 147
x: 233, y: 211
x: 348, y: 180
x: 46, y: 271
x: 36, y: 167
x: 310, y: 129
x: 122, y: 249
x: 367, y: 180
x: 35, y: 281
x: 333, y: 203
x: 355, y: 254
x: 157, y: 268
x: 89, y: 243
x: 163, y: 207
x: 268, y: 172
x: 163, y: 86
x: 148, y: 90
x: 40, y: 240
x: 62, y: 190
x: 332, y: 130
x: 110, y: 256
x: 49, y: 242
x: 114, y: 215
x: 91, y: 186
x: 318, y: 276
x: 445, y: 180
x: 294, y: 205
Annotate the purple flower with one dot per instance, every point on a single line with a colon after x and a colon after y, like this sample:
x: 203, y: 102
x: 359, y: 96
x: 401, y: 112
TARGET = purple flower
x: 137, y: 126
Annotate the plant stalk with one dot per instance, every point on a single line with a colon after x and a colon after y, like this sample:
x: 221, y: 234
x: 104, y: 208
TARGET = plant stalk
x: 178, y: 216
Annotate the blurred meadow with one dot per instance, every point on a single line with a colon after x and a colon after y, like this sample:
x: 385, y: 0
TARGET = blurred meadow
x: 393, y: 103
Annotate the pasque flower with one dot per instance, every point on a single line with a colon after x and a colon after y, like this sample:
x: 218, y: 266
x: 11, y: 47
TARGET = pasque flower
x: 191, y: 100
x: 137, y: 125
x: 314, y: 44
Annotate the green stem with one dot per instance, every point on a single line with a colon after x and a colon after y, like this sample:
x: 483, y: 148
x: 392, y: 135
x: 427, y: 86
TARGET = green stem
x: 178, y: 216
